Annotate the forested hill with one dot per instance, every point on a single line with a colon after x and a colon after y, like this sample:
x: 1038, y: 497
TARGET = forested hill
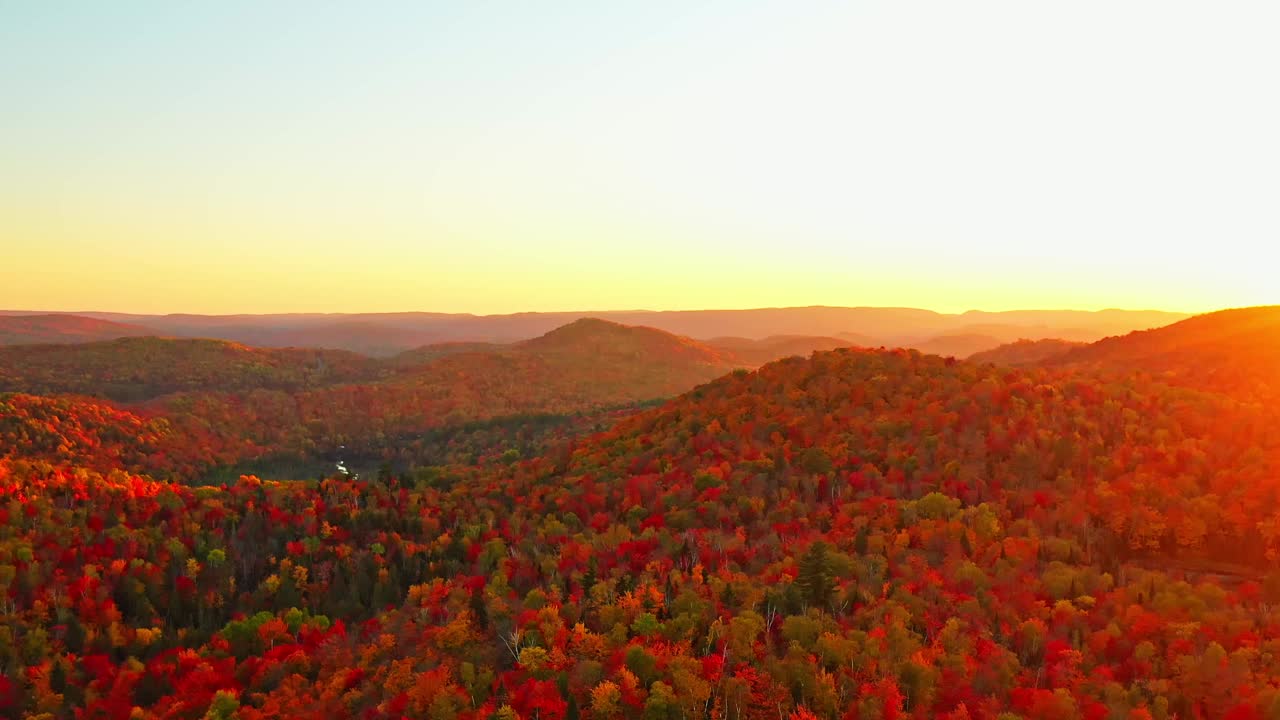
x: 220, y: 403
x: 1232, y: 351
x: 1026, y: 352
x: 758, y: 352
x: 592, y: 336
x: 137, y: 369
x: 61, y: 328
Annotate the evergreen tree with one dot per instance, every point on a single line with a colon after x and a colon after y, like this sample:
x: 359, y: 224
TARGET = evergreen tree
x: 590, y: 577
x: 860, y: 541
x: 815, y: 579
x: 478, y: 609
x: 58, y: 677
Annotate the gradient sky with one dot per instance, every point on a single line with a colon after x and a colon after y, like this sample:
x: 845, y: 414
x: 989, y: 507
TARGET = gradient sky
x: 496, y: 157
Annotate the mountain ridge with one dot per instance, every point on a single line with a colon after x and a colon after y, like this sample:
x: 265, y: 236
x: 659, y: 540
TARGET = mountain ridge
x: 51, y: 328
x: 1235, y: 351
x: 386, y: 334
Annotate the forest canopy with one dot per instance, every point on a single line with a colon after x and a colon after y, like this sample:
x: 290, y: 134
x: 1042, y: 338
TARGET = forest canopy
x: 856, y: 534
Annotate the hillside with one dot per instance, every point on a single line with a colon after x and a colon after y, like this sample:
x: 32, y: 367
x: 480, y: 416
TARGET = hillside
x: 78, y: 431
x: 228, y: 403
x: 972, y: 339
x: 426, y: 353
x: 859, y: 340
x: 622, y: 363
x: 586, y: 363
x: 962, y: 345
x: 859, y: 534
x: 1025, y: 352
x: 593, y: 337
x: 56, y: 328
x: 1232, y: 351
x: 137, y: 369
x: 361, y: 336
x: 758, y: 352
x: 1101, y: 322
x: 584, y: 366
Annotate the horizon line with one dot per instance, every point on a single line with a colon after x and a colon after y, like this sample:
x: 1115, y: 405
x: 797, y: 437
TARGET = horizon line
x: 84, y: 312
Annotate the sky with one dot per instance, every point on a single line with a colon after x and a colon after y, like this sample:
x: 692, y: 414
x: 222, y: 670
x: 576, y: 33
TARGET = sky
x: 495, y: 157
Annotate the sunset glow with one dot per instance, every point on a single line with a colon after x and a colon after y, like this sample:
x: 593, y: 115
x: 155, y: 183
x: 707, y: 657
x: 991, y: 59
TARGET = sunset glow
x: 511, y: 157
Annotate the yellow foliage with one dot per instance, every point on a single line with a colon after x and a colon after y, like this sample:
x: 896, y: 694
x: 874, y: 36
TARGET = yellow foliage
x: 606, y: 699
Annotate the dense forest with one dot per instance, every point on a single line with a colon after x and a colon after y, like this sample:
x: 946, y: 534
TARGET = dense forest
x: 859, y: 534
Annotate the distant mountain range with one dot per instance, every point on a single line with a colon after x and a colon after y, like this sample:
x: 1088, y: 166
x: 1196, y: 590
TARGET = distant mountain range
x: 60, y: 328
x: 387, y: 334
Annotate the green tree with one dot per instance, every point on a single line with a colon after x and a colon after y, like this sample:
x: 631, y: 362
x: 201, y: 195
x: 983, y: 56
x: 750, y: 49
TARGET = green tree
x: 815, y: 577
x: 224, y: 706
x: 816, y: 461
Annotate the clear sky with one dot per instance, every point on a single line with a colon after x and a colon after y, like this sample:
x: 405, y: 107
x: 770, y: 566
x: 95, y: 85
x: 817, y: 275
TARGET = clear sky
x: 496, y: 157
